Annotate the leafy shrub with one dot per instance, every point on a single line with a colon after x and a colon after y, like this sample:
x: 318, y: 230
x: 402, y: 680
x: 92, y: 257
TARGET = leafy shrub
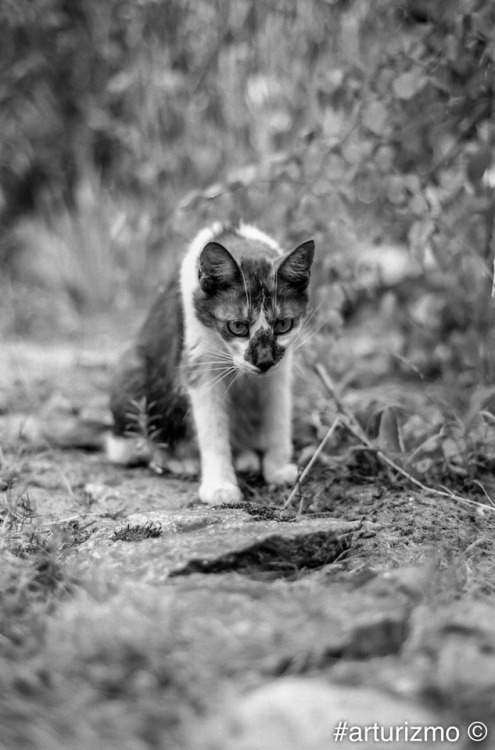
x: 342, y: 120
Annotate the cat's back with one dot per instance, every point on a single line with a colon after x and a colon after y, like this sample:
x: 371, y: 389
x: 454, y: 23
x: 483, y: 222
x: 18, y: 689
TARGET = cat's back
x: 150, y: 369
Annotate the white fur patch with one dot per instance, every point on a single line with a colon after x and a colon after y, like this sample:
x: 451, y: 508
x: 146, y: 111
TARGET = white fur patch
x: 261, y: 324
x: 253, y: 233
x: 247, y: 462
x: 126, y: 450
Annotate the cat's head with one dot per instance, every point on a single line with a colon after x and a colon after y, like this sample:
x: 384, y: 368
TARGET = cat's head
x: 257, y: 304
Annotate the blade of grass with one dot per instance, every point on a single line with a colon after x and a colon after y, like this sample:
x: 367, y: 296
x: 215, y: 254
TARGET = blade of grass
x: 312, y: 460
x: 351, y: 423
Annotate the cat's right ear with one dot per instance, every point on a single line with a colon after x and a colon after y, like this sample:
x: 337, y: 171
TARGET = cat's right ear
x: 217, y: 268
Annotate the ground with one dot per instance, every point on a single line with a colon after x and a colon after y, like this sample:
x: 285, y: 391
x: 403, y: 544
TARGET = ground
x: 132, y: 616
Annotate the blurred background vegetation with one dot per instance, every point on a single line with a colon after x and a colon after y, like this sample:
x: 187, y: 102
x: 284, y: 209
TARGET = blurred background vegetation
x: 125, y: 125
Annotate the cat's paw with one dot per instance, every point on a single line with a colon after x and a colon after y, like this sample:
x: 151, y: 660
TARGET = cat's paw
x: 247, y: 462
x: 276, y: 474
x: 184, y: 467
x: 159, y: 458
x: 217, y: 494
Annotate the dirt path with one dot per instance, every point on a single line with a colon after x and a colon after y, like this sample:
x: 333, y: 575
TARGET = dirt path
x: 249, y: 627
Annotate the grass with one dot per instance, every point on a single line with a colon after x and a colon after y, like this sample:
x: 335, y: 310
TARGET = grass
x: 31, y: 577
x: 70, y: 671
x: 146, y: 677
x: 76, y: 260
x: 100, y: 662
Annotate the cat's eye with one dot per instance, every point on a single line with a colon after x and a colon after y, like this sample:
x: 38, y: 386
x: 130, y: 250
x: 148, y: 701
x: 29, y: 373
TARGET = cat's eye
x: 283, y: 326
x: 238, y: 327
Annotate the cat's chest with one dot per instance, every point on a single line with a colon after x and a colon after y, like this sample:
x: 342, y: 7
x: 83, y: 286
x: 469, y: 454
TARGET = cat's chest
x: 246, y: 404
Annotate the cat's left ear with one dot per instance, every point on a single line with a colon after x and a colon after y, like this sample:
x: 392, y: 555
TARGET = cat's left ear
x: 295, y: 267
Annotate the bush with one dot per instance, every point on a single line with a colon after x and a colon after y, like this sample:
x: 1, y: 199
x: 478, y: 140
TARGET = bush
x: 341, y: 120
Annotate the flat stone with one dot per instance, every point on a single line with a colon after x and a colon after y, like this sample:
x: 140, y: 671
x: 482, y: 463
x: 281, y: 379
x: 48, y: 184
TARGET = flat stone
x: 297, y: 713
x: 153, y: 545
x: 459, y: 641
x: 377, y: 633
x: 466, y: 617
x: 464, y: 667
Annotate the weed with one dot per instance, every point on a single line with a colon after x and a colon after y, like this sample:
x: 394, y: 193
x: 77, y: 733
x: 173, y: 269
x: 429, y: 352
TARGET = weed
x: 136, y: 533
x: 140, y: 422
x: 31, y: 578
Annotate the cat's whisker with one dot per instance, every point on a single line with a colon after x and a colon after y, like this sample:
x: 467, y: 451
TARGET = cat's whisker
x: 204, y: 361
x: 310, y: 324
x: 305, y: 335
x: 223, y: 370
x: 213, y: 346
x: 299, y: 370
x: 211, y: 384
x: 246, y: 367
x: 217, y: 357
x: 314, y: 312
x: 236, y: 377
x: 214, y: 373
x: 307, y: 330
x: 218, y: 378
x: 298, y: 339
x: 203, y: 364
x: 302, y: 342
x: 216, y: 351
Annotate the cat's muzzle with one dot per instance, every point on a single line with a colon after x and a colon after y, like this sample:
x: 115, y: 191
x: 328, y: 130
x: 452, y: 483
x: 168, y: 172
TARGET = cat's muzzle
x: 264, y: 365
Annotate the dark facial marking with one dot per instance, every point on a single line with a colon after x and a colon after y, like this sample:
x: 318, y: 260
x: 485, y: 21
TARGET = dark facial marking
x: 263, y: 350
x: 258, y: 274
x: 225, y: 285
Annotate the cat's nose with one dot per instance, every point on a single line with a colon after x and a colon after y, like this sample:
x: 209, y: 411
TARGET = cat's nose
x: 265, y: 364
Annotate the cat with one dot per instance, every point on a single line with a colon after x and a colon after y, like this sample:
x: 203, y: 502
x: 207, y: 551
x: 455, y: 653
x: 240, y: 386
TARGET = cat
x: 217, y: 346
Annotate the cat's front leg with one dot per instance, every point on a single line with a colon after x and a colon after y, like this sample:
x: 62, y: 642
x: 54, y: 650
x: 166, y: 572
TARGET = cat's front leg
x: 277, y: 426
x: 218, y: 479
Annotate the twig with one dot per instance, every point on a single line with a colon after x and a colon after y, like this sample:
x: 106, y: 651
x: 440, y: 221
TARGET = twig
x: 476, y: 481
x: 60, y: 521
x: 354, y: 427
x: 310, y: 463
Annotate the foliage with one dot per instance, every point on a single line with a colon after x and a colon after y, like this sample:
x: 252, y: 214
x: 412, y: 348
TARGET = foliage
x: 342, y: 120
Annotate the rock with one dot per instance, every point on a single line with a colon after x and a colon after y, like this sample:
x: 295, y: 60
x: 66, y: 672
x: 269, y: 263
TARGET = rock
x: 459, y: 642
x: 465, y: 668
x: 213, y: 540
x: 297, y: 713
x: 377, y: 633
